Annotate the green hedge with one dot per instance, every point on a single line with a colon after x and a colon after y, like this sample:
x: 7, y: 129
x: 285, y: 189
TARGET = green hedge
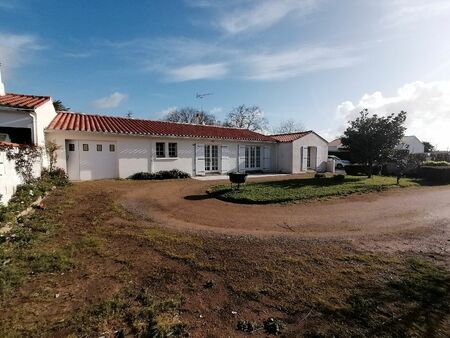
x: 160, y: 175
x: 436, y: 164
x: 361, y: 169
x: 435, y: 174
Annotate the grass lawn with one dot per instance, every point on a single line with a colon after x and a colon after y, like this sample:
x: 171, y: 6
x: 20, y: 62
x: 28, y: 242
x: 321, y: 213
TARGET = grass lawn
x: 306, y: 189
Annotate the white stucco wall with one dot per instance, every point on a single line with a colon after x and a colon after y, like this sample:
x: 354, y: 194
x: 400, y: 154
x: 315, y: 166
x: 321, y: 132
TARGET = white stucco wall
x: 138, y: 154
x: 284, y: 154
x: 45, y: 113
x: 310, y: 140
x: 10, y: 179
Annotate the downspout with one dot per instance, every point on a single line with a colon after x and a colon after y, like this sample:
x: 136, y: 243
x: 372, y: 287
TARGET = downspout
x: 33, y: 117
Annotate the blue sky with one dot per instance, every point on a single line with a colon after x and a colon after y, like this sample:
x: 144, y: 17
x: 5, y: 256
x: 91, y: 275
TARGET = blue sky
x: 316, y: 61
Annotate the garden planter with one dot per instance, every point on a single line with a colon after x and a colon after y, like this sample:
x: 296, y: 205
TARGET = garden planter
x: 237, y: 178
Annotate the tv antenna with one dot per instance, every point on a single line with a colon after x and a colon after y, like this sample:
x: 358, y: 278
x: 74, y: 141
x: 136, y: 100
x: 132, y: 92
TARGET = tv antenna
x: 201, y: 96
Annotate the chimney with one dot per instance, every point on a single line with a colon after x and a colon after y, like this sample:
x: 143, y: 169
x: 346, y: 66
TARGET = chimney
x: 2, y: 86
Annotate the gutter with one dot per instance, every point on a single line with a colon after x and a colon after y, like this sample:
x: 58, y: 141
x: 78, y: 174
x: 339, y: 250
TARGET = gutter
x: 47, y: 130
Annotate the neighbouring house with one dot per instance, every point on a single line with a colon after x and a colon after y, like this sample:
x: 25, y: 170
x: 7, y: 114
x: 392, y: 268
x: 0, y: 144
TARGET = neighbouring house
x: 336, y: 146
x: 23, y: 119
x: 413, y: 144
x: 97, y: 147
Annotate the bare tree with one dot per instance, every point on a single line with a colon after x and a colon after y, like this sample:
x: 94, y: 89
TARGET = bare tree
x: 288, y: 126
x: 190, y: 115
x: 247, y: 117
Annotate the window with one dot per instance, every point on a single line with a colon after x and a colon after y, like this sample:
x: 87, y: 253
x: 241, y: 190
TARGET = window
x: 253, y: 157
x: 247, y: 157
x: 85, y: 147
x: 173, y: 150
x: 99, y: 147
x: 160, y: 149
x: 211, y: 157
x: 71, y: 147
x: 112, y: 147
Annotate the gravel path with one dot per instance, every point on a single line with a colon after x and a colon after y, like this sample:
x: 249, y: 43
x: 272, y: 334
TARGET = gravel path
x: 423, y: 211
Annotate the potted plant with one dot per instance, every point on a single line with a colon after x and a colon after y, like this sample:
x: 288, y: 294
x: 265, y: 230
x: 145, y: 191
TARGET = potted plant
x: 237, y: 178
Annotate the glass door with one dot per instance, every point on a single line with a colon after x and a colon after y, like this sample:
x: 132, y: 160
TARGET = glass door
x: 211, y: 158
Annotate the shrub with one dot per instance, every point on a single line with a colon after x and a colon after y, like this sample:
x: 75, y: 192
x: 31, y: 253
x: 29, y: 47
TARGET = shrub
x: 361, y: 169
x: 320, y: 175
x: 56, y: 176
x: 339, y: 177
x: 436, y: 164
x: 435, y: 174
x: 160, y: 175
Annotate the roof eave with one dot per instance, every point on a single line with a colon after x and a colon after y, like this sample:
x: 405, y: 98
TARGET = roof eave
x: 156, y: 135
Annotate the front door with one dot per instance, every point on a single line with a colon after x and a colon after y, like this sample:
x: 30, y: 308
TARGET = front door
x: 211, y: 158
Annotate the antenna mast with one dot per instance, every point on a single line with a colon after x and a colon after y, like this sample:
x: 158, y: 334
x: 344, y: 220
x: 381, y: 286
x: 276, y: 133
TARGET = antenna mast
x: 201, y: 96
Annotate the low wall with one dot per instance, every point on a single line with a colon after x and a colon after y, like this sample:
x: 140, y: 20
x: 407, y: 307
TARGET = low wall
x: 9, y: 179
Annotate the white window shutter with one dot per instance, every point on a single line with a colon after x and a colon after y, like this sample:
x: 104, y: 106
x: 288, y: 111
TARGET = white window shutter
x: 305, y: 159
x: 225, y: 159
x: 199, y: 159
x: 266, y: 158
x: 241, y: 158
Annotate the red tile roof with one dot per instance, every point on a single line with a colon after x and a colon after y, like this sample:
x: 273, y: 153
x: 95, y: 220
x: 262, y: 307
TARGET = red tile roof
x: 335, y: 143
x: 9, y: 144
x: 121, y: 125
x: 22, y: 101
x: 291, y: 136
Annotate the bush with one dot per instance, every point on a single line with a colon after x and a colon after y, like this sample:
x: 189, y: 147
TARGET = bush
x: 160, y: 175
x: 320, y: 175
x: 339, y: 178
x: 361, y: 169
x: 436, y: 164
x: 435, y: 174
x: 56, y: 176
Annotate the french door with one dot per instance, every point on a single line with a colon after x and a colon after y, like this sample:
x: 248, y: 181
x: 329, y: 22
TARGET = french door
x: 211, y: 158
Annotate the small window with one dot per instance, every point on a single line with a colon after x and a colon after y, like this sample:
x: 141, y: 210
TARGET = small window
x: 160, y: 149
x: 71, y: 147
x: 112, y: 147
x: 85, y: 147
x: 99, y: 147
x: 173, y: 150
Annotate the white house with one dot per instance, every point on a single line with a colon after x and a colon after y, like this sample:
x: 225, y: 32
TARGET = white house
x: 413, y: 144
x: 96, y: 147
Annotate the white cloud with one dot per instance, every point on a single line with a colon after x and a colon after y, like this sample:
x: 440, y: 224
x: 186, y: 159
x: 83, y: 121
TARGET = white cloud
x: 292, y: 63
x: 427, y: 105
x: 187, y: 59
x: 79, y: 55
x: 164, y: 112
x: 239, y: 16
x: 16, y: 49
x: 111, y: 101
x: 197, y: 72
x: 216, y: 110
x: 401, y: 12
